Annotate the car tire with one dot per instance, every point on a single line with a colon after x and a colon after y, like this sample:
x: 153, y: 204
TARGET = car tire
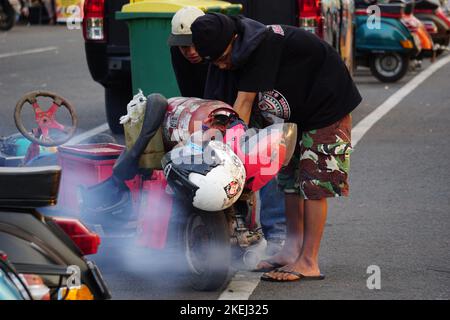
x: 207, y: 250
x: 389, y: 66
x: 116, y: 100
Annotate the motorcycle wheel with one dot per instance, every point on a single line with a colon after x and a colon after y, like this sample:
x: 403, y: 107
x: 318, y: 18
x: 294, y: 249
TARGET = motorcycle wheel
x: 207, y: 250
x: 7, y: 17
x: 389, y: 66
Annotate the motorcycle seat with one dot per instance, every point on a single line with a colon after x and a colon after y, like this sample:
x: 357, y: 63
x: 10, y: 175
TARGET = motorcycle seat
x: 427, y: 4
x: 29, y: 187
x: 392, y: 8
x: 362, y: 4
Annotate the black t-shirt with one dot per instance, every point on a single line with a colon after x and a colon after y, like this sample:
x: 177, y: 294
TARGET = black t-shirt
x: 221, y: 85
x: 191, y: 77
x: 299, y: 78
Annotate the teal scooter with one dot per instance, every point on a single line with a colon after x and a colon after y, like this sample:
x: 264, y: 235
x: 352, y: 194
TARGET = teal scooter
x: 385, y: 45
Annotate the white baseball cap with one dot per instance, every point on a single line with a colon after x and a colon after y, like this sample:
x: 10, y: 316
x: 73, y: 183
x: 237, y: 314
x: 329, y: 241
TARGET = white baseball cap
x: 181, y: 26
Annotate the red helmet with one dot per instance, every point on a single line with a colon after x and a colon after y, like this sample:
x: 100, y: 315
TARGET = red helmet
x: 263, y: 151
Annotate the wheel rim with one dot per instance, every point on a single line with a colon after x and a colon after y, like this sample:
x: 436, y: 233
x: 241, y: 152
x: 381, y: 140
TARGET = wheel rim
x: 389, y: 65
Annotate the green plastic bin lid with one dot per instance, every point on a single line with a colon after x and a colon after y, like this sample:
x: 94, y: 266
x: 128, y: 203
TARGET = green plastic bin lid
x: 148, y: 8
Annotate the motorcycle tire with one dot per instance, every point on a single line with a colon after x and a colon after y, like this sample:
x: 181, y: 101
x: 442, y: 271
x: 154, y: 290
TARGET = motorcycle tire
x: 207, y: 250
x: 389, y: 66
x: 7, y: 17
x: 116, y: 100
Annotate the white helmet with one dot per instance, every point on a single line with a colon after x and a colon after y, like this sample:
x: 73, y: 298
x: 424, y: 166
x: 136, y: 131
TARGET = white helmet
x: 212, y: 177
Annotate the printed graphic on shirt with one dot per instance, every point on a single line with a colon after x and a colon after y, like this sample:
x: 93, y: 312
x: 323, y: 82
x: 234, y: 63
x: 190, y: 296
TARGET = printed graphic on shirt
x: 277, y: 29
x: 275, y: 103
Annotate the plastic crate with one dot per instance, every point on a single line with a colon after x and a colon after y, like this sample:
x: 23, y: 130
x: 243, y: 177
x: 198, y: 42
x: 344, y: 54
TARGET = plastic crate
x: 84, y: 165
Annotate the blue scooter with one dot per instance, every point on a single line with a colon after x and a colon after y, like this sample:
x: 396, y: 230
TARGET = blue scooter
x: 383, y: 41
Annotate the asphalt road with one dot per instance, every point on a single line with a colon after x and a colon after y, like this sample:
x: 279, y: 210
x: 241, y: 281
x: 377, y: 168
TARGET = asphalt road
x: 396, y: 218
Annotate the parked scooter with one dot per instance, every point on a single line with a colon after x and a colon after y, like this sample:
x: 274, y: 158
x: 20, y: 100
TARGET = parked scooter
x: 436, y: 22
x: 386, y: 48
x: 429, y: 48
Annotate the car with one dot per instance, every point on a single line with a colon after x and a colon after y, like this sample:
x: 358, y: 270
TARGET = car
x: 108, y: 56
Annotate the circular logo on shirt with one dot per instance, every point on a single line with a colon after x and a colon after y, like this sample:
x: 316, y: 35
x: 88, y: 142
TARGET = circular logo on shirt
x: 275, y: 103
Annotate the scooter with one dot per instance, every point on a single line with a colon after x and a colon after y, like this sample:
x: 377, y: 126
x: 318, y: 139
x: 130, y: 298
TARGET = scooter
x: 436, y: 22
x: 429, y: 48
x: 152, y: 204
x: 386, y: 48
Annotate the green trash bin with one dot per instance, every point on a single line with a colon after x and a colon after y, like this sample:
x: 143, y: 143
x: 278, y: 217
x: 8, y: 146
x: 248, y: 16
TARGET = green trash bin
x: 149, y: 24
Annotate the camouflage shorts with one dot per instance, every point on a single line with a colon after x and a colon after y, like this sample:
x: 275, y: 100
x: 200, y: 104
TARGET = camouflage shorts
x: 320, y: 165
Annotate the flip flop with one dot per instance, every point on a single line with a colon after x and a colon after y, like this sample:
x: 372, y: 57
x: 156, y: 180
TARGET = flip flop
x: 273, y: 266
x: 299, y: 276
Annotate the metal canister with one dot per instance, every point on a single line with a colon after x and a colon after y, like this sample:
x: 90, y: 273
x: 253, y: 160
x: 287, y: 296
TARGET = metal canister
x: 187, y: 115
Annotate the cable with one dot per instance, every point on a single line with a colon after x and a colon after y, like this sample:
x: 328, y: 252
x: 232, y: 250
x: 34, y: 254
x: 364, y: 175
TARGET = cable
x: 14, y: 272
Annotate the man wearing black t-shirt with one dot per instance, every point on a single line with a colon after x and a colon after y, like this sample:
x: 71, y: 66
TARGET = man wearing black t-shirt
x: 293, y: 75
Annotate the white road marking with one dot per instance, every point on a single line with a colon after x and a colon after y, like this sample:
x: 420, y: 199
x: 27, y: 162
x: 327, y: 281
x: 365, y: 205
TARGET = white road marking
x: 244, y: 283
x: 365, y: 124
x: 241, y: 286
x: 25, y: 52
x: 77, y: 139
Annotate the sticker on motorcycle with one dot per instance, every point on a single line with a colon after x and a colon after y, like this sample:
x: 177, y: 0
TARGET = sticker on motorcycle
x: 232, y: 189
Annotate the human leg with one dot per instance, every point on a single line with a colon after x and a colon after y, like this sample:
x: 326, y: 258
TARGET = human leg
x: 272, y: 217
x: 324, y: 166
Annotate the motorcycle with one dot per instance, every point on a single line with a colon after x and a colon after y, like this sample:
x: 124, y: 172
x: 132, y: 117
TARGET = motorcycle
x: 429, y: 48
x: 212, y: 221
x: 388, y: 48
x: 436, y: 22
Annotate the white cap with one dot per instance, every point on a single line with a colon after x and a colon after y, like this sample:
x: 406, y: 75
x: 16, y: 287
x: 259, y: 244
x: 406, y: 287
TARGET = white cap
x: 181, y: 26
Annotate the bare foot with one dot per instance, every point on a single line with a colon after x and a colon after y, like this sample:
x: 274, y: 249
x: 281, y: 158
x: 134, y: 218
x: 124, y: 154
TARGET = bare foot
x: 285, y: 256
x: 301, y: 266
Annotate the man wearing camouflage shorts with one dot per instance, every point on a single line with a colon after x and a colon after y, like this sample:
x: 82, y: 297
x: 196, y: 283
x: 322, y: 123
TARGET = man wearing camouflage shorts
x: 319, y: 167
x: 292, y: 74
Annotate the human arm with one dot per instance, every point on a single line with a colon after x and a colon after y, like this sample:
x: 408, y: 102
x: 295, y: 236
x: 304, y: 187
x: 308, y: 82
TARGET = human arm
x: 243, y: 105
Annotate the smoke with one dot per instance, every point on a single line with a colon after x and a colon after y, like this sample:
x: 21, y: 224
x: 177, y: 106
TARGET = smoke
x: 146, y: 234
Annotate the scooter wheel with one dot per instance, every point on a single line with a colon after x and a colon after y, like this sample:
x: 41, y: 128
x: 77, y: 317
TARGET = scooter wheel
x: 208, y: 250
x: 389, y: 66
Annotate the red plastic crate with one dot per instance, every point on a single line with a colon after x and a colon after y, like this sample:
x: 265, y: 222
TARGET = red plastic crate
x: 84, y: 165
